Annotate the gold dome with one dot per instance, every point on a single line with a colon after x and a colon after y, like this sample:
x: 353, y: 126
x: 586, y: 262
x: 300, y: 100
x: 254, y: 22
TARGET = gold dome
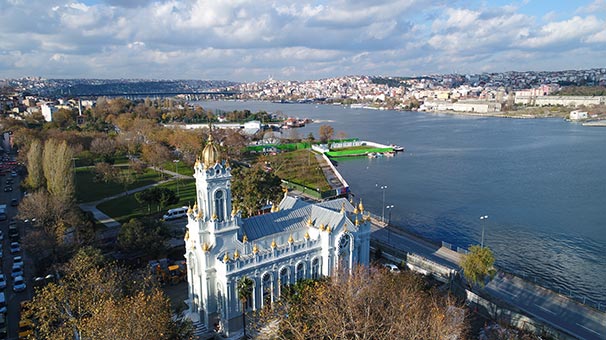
x: 205, y: 247
x: 328, y: 229
x: 309, y: 222
x: 306, y: 236
x: 244, y: 238
x: 273, y: 244
x: 210, y: 154
x: 236, y: 255
x: 321, y: 227
x: 255, y: 249
x: 226, y: 257
x: 291, y: 239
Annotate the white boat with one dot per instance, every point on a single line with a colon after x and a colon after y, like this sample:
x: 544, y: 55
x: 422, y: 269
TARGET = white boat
x: 397, y: 148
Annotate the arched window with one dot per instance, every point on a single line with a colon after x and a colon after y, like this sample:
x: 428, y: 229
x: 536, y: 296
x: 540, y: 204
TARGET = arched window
x: 284, y: 280
x: 300, y: 271
x: 219, y: 205
x: 266, y: 282
x: 315, y: 269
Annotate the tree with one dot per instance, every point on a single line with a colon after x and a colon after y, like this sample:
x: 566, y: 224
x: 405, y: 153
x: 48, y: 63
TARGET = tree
x: 252, y: 188
x: 35, y: 173
x: 245, y: 290
x: 57, y: 165
x: 326, y: 132
x: 155, y: 154
x: 104, y: 148
x: 105, y: 172
x: 146, y: 236
x: 478, y: 264
x: 365, y: 304
x: 94, y: 299
x: 160, y: 196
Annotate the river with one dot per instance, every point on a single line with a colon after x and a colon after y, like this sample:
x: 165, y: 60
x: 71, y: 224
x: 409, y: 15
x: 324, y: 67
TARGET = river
x: 541, y: 183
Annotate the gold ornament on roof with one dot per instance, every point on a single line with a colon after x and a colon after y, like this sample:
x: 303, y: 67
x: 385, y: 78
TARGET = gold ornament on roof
x: 210, y: 154
x: 321, y: 227
x: 236, y: 255
x: 234, y: 211
x: 357, y: 222
x: 306, y: 236
x: 255, y: 249
x: 355, y: 211
x: 205, y: 247
x: 328, y: 230
x: 345, y: 229
x: 273, y: 244
x: 343, y: 208
x: 215, y: 217
x: 200, y: 214
x: 244, y: 238
x: 189, y: 210
x: 309, y: 222
x: 186, y: 237
x: 291, y: 239
x: 226, y: 257
x: 360, y: 206
x: 195, y: 208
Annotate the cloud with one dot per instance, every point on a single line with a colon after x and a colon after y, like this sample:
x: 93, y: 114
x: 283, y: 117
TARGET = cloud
x: 290, y: 39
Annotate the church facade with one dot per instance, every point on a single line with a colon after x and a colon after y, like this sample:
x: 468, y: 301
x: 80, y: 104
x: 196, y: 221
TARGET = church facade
x: 297, y: 240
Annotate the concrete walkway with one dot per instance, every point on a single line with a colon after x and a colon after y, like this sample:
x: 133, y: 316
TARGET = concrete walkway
x: 109, y: 222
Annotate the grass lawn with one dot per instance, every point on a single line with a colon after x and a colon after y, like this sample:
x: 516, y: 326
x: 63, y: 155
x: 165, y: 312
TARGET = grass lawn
x: 124, y: 208
x: 87, y: 190
x: 299, y: 167
x: 181, y: 167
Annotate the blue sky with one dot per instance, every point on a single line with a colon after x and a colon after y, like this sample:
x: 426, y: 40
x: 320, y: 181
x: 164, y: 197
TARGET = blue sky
x: 247, y: 40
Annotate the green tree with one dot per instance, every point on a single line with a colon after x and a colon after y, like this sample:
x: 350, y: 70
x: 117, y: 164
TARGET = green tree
x: 147, y: 236
x: 35, y: 173
x: 252, y: 188
x: 58, y: 170
x: 478, y: 264
x: 245, y: 290
x: 160, y: 196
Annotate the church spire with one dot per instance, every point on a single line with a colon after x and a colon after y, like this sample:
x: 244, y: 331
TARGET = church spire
x: 210, y: 154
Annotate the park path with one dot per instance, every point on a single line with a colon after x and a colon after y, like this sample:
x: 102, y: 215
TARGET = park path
x: 111, y: 224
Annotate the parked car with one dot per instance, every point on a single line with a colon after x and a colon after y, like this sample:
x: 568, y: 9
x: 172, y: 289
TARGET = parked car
x: 14, y: 202
x: 392, y: 267
x: 2, y: 281
x: 8, y: 188
x: 16, y: 271
x: 13, y: 174
x: 19, y: 284
x: 15, y: 247
x: 18, y: 260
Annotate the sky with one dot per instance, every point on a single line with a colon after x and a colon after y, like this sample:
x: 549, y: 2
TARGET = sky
x: 243, y: 40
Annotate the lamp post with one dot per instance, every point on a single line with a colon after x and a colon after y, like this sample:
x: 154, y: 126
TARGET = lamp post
x: 176, y: 161
x: 389, y: 207
x: 482, y: 220
x: 383, y: 187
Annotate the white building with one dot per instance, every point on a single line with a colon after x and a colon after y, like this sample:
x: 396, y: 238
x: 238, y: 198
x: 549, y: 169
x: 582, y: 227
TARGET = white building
x: 297, y: 240
x: 47, y: 111
x: 577, y: 115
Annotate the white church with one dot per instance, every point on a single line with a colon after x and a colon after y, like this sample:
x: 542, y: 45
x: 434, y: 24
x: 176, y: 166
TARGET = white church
x: 297, y: 240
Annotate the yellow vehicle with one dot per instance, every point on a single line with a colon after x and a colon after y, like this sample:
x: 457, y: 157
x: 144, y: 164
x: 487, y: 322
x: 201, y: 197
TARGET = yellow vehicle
x: 176, y: 274
x: 26, y: 328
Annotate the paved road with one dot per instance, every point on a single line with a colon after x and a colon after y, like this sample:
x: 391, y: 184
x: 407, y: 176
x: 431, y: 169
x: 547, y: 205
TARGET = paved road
x: 563, y: 313
x: 559, y: 311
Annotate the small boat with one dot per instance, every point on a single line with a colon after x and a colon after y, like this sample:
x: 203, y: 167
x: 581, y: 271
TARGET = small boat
x: 390, y: 154
x: 372, y: 155
x: 397, y: 148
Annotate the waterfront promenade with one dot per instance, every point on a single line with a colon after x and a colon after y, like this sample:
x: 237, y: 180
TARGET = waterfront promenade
x: 557, y: 311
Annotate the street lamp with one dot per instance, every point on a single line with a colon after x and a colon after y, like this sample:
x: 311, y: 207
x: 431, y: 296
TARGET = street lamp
x: 482, y: 218
x: 389, y: 207
x: 383, y: 187
x: 176, y: 161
